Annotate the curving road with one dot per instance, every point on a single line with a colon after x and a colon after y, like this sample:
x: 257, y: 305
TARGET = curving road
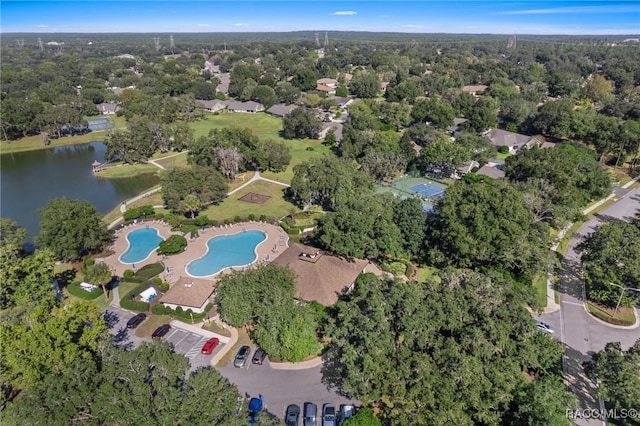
x: 581, y: 334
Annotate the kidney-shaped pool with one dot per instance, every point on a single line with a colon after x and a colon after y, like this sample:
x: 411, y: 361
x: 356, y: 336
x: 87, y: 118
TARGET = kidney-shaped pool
x: 142, y: 242
x: 226, y: 251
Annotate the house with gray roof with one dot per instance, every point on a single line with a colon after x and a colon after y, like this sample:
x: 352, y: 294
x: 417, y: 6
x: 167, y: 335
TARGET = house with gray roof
x: 213, y: 105
x: 108, y: 108
x: 492, y: 172
x: 513, y: 141
x: 280, y: 110
x: 476, y: 89
x: 326, y: 128
x: 225, y: 80
x: 246, y: 107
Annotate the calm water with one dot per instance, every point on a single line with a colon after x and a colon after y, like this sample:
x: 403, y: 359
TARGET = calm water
x: 142, y: 242
x: 226, y: 251
x: 29, y: 180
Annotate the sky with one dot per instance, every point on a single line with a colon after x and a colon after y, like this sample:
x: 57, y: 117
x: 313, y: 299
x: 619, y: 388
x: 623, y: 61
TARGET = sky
x: 475, y: 17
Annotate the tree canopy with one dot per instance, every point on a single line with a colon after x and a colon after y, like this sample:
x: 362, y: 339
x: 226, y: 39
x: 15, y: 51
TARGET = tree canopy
x: 451, y: 351
x: 484, y: 223
x: 205, y: 183
x: 71, y: 228
x: 301, y: 123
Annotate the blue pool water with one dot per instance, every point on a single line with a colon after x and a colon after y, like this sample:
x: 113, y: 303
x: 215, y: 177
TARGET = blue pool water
x: 226, y: 251
x: 142, y: 242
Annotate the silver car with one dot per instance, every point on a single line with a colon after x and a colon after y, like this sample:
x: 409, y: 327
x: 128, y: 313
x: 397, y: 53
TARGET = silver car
x: 329, y: 415
x: 241, y: 357
x: 310, y: 414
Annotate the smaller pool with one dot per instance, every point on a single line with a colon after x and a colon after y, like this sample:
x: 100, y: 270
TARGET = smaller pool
x: 142, y: 242
x: 225, y: 251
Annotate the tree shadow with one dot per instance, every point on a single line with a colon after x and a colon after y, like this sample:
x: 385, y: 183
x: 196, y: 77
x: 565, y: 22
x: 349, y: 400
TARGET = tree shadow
x: 64, y: 278
x: 571, y: 282
x: 110, y: 318
x: 579, y: 384
x: 331, y: 374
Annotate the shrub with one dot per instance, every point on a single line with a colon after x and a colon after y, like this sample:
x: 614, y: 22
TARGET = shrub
x: 263, y: 217
x: 503, y: 149
x: 164, y: 286
x: 150, y: 271
x: 201, y: 221
x: 227, y: 221
x: 137, y: 212
x: 128, y: 273
x: 214, y: 223
x: 75, y: 289
x: 160, y: 309
x: 179, y: 309
x: 252, y: 217
x: 157, y: 280
x: 180, y: 314
x: 172, y: 245
x: 237, y: 219
x: 128, y: 302
x: 158, y: 216
x: 89, y: 261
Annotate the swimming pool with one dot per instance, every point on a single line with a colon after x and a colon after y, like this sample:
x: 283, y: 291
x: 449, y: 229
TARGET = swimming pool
x: 142, y: 242
x: 225, y: 251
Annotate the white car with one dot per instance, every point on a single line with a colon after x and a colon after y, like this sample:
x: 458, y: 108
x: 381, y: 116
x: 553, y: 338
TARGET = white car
x: 544, y: 327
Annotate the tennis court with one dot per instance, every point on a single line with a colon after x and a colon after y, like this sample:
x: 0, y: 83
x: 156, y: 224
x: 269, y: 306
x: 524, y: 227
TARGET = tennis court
x: 427, y: 189
x: 99, y: 123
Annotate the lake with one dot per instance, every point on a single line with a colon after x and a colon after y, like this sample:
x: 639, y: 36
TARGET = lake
x: 30, y: 179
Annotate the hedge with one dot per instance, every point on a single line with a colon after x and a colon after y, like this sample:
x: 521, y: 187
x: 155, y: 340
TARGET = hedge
x: 127, y: 301
x: 150, y: 271
x: 290, y: 229
x: 172, y: 245
x: 136, y: 212
x: 184, y: 316
x: 75, y: 289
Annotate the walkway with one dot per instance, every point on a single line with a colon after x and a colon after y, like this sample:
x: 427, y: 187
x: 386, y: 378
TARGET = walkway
x: 256, y: 176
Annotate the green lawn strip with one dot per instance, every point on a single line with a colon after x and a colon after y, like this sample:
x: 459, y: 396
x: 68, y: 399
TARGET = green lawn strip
x: 624, y: 316
x: 427, y: 272
x: 149, y: 325
x: 243, y: 339
x: 127, y: 170
x: 262, y: 125
x: 274, y: 208
x: 32, y: 143
x: 172, y: 161
x: 540, y: 288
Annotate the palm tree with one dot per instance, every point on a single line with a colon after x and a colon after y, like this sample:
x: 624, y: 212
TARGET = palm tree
x: 191, y: 203
x: 99, y: 274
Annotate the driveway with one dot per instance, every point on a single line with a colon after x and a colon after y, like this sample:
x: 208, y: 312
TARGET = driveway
x: 283, y: 387
x: 581, y: 334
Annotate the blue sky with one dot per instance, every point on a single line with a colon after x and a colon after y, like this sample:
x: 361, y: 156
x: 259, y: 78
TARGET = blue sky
x: 497, y: 17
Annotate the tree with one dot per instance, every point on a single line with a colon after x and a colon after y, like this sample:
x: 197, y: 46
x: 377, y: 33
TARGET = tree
x: 172, y: 245
x: 364, y: 417
x: 483, y: 115
x: 484, y: 224
x: 617, y: 373
x: 327, y: 181
x: 362, y: 226
x: 572, y: 174
x: 287, y: 93
x: 99, y: 274
x: 301, y: 123
x: 598, y: 88
x: 70, y: 228
x: 411, y: 220
x: 442, y: 352
x: 541, y: 402
x: 205, y: 183
x: 442, y: 157
x: 435, y: 111
x: 304, y: 79
x: 611, y: 254
x: 365, y: 85
x: 265, y: 95
x: 396, y: 114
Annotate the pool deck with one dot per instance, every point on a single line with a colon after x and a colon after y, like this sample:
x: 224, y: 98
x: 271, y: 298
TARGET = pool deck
x: 175, y: 265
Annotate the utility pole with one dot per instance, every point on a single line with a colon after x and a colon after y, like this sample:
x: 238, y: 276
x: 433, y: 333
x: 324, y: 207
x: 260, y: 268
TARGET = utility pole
x: 40, y: 45
x: 172, y: 45
x: 156, y: 41
x: 20, y: 43
x: 326, y: 39
x: 622, y: 289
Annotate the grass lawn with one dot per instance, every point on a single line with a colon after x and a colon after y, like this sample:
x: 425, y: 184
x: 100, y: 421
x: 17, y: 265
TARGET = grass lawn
x: 127, y: 170
x: 125, y: 287
x: 502, y: 156
x: 98, y: 301
x: 31, y: 143
x: 540, y: 287
x: 624, y: 316
x: 265, y: 127
x: 243, y: 339
x: 172, y: 161
x: 427, y: 272
x: 274, y: 208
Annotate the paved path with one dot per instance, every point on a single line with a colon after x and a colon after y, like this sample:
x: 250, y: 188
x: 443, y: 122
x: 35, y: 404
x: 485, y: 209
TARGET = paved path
x: 256, y: 176
x: 582, y: 334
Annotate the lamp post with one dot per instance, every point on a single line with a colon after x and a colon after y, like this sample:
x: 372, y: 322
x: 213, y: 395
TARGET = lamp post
x: 622, y: 289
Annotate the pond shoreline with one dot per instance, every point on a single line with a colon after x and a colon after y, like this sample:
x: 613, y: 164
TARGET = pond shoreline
x: 12, y: 147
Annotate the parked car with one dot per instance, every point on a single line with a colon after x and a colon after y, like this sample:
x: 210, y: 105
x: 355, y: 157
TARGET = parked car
x: 329, y: 415
x: 210, y: 345
x: 161, y: 331
x: 241, y: 357
x: 259, y: 356
x: 255, y: 406
x: 310, y: 414
x: 136, y: 320
x: 292, y: 414
x: 346, y: 411
x: 544, y: 327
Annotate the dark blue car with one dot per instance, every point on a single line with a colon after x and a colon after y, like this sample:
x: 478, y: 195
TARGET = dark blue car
x: 255, y: 406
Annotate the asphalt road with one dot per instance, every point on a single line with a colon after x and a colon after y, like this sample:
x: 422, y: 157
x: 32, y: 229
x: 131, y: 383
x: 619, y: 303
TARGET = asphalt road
x: 283, y: 387
x: 581, y: 334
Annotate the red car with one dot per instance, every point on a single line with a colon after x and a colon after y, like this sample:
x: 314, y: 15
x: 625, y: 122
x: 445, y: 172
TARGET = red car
x: 210, y: 345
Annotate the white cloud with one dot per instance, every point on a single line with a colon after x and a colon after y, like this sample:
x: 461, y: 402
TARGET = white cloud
x: 239, y: 25
x: 413, y: 26
x: 43, y: 26
x: 345, y: 13
x: 575, y: 9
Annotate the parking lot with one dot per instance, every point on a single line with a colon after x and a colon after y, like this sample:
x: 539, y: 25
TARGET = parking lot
x: 184, y: 342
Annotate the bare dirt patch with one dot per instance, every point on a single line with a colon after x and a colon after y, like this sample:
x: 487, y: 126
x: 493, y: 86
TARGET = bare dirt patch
x: 255, y: 198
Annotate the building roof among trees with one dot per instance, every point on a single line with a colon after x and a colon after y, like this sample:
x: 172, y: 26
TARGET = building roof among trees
x: 280, y: 110
x: 478, y: 88
x: 499, y: 137
x: 320, y: 276
x: 189, y: 292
